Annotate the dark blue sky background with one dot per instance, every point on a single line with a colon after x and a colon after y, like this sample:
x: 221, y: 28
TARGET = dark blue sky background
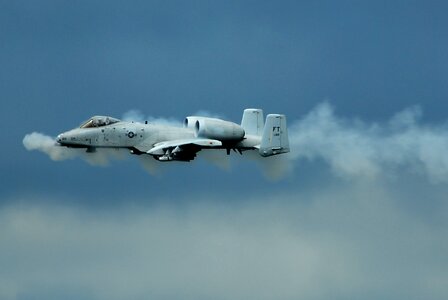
x: 64, y: 61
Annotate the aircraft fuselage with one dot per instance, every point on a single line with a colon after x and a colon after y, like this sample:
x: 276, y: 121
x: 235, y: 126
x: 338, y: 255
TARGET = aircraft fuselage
x: 122, y: 135
x: 167, y: 142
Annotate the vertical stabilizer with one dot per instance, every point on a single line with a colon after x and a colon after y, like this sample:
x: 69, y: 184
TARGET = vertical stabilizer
x: 275, y: 136
x: 252, y: 121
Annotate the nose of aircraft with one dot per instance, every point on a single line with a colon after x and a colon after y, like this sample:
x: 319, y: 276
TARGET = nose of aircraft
x: 59, y: 138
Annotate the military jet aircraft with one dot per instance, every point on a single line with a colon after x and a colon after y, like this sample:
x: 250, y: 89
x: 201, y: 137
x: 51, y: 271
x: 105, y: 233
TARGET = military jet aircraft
x: 171, y: 143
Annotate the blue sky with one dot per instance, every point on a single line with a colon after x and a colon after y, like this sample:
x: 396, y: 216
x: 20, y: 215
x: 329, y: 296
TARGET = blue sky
x: 360, y: 211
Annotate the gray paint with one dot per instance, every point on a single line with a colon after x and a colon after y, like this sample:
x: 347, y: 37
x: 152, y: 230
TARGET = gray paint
x: 169, y: 143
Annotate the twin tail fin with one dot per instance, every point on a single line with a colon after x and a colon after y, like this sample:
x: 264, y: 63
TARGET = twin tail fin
x: 273, y: 132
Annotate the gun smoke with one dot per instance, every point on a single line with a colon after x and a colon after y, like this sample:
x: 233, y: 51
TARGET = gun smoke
x: 47, y: 144
x: 355, y: 148
x: 351, y: 147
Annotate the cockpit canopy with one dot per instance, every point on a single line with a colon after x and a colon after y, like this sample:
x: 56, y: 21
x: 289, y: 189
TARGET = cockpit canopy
x: 98, y: 121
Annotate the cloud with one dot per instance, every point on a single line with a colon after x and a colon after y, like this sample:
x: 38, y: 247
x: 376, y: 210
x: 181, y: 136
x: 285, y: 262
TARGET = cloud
x: 352, y: 241
x: 356, y: 239
x: 351, y: 147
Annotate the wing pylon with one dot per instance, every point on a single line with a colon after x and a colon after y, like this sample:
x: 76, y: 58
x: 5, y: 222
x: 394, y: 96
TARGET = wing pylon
x: 183, y: 150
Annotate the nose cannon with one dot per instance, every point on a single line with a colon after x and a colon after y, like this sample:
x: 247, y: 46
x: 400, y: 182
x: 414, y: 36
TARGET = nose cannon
x: 78, y: 138
x: 66, y: 138
x: 63, y: 138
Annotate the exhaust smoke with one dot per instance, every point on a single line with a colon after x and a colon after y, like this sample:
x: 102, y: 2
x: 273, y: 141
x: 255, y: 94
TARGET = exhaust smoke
x: 352, y: 148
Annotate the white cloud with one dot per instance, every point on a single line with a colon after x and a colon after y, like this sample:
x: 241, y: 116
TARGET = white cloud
x: 346, y: 242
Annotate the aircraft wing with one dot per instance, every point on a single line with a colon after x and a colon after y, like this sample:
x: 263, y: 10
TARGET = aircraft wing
x: 183, y: 149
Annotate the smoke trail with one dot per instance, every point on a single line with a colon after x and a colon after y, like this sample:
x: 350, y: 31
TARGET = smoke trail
x: 137, y: 116
x: 273, y: 168
x: 46, y: 144
x: 351, y: 147
x: 354, y: 148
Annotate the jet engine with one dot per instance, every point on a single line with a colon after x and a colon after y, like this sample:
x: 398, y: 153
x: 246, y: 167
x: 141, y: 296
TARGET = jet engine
x: 190, y: 122
x: 216, y: 129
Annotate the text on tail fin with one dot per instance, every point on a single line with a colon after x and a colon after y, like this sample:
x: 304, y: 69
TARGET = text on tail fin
x: 275, y: 136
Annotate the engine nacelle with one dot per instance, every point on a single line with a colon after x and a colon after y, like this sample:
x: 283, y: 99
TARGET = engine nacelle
x: 216, y: 129
x: 190, y: 122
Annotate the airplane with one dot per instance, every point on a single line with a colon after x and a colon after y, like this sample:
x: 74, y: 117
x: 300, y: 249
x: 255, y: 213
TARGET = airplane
x: 171, y: 143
